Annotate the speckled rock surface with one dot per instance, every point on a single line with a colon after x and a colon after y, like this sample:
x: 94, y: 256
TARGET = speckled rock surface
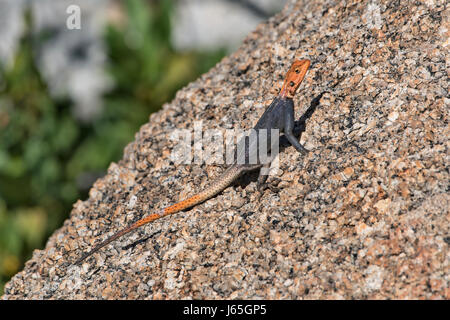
x: 364, y: 215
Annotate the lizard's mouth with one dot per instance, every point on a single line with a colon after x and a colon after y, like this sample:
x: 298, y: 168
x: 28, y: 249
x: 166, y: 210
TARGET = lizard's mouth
x: 294, y: 78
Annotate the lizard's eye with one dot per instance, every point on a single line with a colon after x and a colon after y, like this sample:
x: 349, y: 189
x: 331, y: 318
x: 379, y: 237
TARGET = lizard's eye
x: 291, y: 83
x: 297, y: 71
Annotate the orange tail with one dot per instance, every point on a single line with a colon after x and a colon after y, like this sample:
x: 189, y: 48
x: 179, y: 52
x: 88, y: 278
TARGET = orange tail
x: 217, y: 186
x: 152, y: 217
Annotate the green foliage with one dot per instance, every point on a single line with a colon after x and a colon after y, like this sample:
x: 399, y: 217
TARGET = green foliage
x: 46, y: 156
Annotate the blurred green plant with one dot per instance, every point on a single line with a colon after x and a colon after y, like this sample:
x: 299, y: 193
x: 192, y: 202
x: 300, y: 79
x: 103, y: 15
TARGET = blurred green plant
x: 46, y: 156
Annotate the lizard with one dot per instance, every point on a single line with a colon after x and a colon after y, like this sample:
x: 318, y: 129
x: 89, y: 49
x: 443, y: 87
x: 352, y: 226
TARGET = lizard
x: 278, y: 115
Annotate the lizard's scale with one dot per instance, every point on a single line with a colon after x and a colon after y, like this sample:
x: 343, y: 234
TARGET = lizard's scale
x: 279, y: 115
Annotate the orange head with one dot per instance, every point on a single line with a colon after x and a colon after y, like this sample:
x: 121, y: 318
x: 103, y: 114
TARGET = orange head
x: 294, y: 77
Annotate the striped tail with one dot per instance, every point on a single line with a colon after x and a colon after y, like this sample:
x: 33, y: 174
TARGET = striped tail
x: 216, y: 187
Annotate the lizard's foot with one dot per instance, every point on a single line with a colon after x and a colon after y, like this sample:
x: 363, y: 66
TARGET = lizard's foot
x: 261, y: 187
x: 303, y: 150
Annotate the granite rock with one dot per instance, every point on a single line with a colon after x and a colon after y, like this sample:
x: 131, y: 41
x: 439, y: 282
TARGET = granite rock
x: 365, y: 215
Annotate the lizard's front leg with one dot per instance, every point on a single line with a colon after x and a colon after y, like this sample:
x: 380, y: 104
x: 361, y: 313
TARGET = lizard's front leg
x: 288, y: 129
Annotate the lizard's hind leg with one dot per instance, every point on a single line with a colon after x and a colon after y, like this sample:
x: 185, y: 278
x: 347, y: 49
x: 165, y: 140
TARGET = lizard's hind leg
x: 262, y: 178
